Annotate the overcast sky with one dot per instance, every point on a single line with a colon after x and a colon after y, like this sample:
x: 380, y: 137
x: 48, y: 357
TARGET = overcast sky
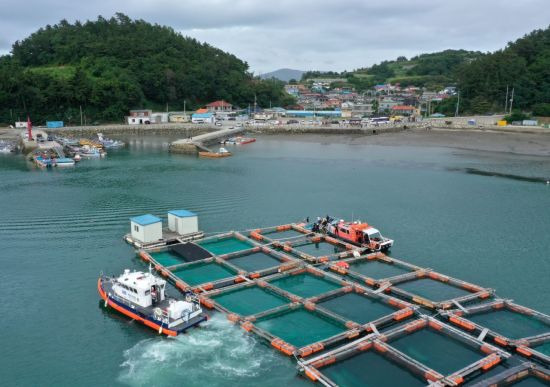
x: 304, y: 34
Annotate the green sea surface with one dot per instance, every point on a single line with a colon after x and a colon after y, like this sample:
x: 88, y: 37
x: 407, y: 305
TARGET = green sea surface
x: 59, y: 229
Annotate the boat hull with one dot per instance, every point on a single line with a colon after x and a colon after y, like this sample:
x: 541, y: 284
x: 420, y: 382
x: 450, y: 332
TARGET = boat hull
x: 214, y: 155
x: 145, y: 320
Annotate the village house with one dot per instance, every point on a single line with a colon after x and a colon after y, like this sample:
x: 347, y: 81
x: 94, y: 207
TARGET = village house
x: 403, y: 110
x: 362, y: 109
x: 386, y: 104
x: 219, y: 106
x: 139, y: 116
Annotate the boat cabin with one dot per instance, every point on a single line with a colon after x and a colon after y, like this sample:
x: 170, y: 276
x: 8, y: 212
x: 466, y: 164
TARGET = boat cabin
x: 143, y: 289
x: 356, y: 232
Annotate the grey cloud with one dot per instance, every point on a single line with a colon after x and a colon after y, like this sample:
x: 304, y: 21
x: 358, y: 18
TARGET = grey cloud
x: 306, y: 34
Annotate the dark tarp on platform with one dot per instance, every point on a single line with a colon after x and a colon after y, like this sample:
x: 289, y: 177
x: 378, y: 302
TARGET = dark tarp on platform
x: 190, y: 252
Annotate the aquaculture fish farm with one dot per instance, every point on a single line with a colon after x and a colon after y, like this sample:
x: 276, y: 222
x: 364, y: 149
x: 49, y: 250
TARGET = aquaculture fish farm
x: 341, y: 310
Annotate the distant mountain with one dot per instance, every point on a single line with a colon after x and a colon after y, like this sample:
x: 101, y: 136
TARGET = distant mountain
x: 284, y: 75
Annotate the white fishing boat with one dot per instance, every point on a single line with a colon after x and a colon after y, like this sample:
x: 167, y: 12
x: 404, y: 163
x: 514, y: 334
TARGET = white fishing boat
x: 109, y: 143
x: 141, y: 296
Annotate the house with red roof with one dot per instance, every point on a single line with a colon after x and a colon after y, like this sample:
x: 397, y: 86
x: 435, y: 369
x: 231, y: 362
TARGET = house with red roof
x: 219, y: 106
x: 404, y: 110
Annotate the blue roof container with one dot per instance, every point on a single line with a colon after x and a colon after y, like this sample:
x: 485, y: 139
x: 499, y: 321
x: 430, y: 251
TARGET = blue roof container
x: 182, y: 213
x: 202, y: 115
x: 145, y: 220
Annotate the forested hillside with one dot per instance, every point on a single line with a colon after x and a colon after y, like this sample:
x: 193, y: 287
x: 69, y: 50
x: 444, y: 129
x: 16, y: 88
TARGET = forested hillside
x: 434, y: 71
x: 523, y: 65
x: 111, y: 66
x: 482, y: 79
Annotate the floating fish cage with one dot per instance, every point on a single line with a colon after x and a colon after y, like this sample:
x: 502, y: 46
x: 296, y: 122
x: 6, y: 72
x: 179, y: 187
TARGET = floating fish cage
x: 280, y: 233
x: 426, y: 350
x: 313, y: 304
x: 305, y: 244
x: 372, y: 269
x: 433, y: 290
x: 524, y: 373
x: 341, y: 311
x: 514, y: 327
x: 197, y: 266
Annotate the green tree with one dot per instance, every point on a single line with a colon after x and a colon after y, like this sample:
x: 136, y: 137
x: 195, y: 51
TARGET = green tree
x: 541, y: 110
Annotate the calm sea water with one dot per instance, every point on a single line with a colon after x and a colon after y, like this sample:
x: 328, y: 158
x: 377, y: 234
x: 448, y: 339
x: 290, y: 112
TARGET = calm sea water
x: 60, y: 228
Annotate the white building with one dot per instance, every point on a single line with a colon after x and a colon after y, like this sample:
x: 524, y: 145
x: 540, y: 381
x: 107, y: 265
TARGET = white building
x: 203, y: 118
x: 146, y: 228
x: 138, y: 117
x: 183, y: 222
x: 159, y: 118
x: 21, y: 124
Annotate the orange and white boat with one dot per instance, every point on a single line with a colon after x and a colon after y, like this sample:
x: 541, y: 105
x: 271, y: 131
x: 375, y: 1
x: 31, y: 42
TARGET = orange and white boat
x: 221, y: 153
x: 357, y: 232
x: 141, y: 297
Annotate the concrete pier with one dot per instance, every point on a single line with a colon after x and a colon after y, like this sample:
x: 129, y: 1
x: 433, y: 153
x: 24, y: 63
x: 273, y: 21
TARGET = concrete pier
x: 194, y: 144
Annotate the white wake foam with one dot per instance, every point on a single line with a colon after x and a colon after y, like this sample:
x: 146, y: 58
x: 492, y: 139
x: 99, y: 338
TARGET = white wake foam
x: 217, y: 353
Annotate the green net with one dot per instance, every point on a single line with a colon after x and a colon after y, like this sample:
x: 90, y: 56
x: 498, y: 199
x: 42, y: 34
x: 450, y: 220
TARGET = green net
x: 202, y: 273
x: 357, y: 308
x: 225, y: 246
x: 510, y: 324
x: 255, y: 262
x: 304, y: 285
x: 432, y: 289
x: 300, y: 327
x: 442, y: 353
x: 249, y: 301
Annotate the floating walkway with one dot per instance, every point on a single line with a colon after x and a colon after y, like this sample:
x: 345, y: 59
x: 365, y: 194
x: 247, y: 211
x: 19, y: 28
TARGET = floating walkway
x: 343, y: 312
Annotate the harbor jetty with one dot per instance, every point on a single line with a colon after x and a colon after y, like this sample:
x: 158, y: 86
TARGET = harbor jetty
x: 325, y: 301
x: 198, y: 143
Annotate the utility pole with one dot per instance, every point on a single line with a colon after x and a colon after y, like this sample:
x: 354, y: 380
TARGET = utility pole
x: 512, y: 100
x: 457, y: 104
x: 80, y: 115
x: 184, y: 115
x: 506, y: 102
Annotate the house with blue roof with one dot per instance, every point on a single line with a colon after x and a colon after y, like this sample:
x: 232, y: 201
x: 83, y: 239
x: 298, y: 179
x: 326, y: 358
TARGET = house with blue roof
x: 203, y: 118
x: 146, y: 228
x: 183, y: 222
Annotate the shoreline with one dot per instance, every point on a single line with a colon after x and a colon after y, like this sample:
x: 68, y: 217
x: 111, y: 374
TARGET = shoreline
x: 524, y: 143
x: 521, y: 144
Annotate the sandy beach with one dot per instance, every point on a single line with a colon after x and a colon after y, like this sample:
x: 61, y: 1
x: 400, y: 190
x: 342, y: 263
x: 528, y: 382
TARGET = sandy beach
x: 490, y: 141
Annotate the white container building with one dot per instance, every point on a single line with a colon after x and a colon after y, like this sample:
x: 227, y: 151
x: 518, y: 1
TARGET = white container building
x: 183, y: 222
x: 146, y: 228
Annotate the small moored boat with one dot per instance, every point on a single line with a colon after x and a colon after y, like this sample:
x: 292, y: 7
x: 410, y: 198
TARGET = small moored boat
x: 63, y: 162
x: 238, y: 140
x: 141, y: 296
x: 221, y: 153
x: 108, y: 143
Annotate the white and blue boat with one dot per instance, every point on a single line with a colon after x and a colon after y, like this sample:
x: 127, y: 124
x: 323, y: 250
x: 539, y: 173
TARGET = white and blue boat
x: 141, y: 296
